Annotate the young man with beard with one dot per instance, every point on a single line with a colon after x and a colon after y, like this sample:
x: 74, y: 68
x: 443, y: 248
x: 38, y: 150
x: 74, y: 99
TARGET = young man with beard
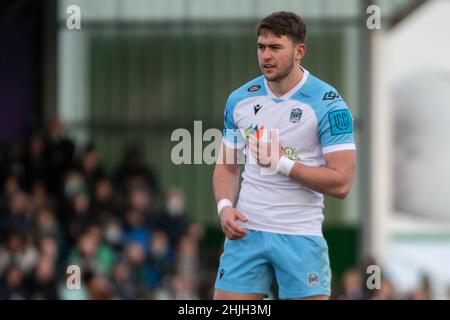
x: 298, y: 132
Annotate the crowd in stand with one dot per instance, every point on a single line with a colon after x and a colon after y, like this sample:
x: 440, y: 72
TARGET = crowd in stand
x: 359, y: 284
x: 59, y: 207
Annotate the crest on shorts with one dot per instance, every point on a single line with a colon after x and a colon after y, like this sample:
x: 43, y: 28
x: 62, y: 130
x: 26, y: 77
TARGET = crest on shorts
x: 313, y: 279
x: 296, y: 115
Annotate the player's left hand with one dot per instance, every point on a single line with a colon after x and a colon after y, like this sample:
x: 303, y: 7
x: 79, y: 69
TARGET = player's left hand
x: 267, y: 154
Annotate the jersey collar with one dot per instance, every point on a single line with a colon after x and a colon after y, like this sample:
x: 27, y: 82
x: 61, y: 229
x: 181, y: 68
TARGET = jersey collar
x: 291, y: 92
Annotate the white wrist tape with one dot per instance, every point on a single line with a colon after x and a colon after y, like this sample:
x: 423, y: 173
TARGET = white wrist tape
x: 285, y: 165
x: 222, y: 204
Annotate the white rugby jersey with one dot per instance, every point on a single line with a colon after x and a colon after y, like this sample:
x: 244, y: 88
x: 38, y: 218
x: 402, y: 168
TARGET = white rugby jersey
x: 312, y: 120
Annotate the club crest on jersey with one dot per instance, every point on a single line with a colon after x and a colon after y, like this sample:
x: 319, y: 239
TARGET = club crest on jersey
x: 296, y: 115
x: 313, y: 279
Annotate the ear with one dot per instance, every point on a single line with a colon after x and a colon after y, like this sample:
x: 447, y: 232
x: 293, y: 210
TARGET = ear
x: 300, y: 51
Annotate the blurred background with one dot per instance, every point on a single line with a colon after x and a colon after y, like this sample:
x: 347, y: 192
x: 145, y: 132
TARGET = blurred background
x: 86, y: 118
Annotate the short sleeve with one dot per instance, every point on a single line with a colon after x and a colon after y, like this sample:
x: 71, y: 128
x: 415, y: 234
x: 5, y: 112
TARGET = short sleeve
x: 336, y: 129
x: 233, y: 137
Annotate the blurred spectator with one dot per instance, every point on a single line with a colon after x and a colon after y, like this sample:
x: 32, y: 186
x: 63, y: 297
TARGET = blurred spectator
x: 98, y: 287
x: 18, y: 252
x: 45, y: 223
x: 386, y: 291
x: 40, y: 196
x: 352, y: 285
x: 173, y: 220
x: 48, y: 247
x: 35, y: 163
x: 159, y: 259
x: 44, y: 286
x: 73, y: 185
x: 135, y: 259
x: 188, y: 264
x: 140, y: 199
x: 18, y: 214
x: 184, y: 288
x: 132, y: 172
x: 12, y: 286
x: 113, y: 233
x: 90, y: 168
x: 91, y: 253
x: 11, y: 186
x: 122, y: 286
x: 135, y: 230
x: 61, y: 155
x: 105, y: 205
x: 80, y: 217
x: 423, y: 292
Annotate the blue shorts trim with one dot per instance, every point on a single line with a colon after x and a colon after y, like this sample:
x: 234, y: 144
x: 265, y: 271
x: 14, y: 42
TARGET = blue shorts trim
x: 305, y: 294
x: 300, y: 265
x: 226, y: 287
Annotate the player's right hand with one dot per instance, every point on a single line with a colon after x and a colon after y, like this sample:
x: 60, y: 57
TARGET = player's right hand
x: 228, y: 218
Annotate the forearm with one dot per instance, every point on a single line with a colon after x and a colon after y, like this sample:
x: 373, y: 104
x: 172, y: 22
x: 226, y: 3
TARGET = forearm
x: 322, y: 179
x: 226, y: 182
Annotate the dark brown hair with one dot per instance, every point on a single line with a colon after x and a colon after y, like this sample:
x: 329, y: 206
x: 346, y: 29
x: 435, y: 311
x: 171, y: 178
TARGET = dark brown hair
x: 283, y: 23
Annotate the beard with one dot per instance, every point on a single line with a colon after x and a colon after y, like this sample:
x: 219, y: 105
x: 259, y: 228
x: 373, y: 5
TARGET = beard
x: 282, y: 73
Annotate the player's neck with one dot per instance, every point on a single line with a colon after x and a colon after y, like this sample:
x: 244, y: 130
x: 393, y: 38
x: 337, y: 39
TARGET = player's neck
x: 280, y: 88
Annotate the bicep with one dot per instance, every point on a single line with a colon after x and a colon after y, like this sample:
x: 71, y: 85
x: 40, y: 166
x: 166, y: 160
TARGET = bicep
x: 343, y: 161
x: 229, y: 158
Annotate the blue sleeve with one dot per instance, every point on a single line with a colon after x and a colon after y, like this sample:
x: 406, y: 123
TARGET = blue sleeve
x: 233, y: 137
x: 336, y: 127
